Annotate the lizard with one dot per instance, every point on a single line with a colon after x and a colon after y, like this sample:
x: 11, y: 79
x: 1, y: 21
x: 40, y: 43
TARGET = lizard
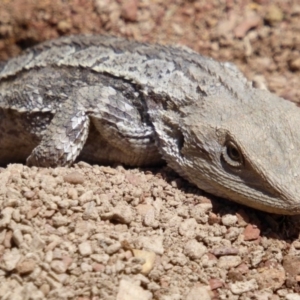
x: 105, y: 100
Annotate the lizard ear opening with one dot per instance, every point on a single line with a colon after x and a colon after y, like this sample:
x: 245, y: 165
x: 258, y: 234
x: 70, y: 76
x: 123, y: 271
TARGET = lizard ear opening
x: 193, y: 143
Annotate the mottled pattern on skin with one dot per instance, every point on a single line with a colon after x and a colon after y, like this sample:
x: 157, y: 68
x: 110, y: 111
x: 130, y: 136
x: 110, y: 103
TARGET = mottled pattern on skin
x: 109, y: 100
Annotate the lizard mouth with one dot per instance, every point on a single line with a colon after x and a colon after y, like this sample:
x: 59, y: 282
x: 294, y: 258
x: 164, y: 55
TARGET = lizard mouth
x: 267, y: 195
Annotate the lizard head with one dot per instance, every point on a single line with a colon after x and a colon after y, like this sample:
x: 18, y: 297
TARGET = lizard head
x: 249, y: 155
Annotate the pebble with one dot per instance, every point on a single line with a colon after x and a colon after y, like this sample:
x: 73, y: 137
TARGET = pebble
x: 200, y: 292
x: 188, y: 228
x: 86, y: 197
x: 149, y: 258
x: 58, y: 266
x: 152, y: 243
x: 17, y: 237
x: 113, y: 248
x: 128, y: 290
x: 295, y: 64
x: 229, y: 220
x: 85, y: 249
x: 6, y: 214
x: 10, y: 259
x: 26, y: 266
x: 194, y: 249
x: 292, y: 296
x: 274, y: 14
x: 121, y: 214
x: 74, y: 178
x: 270, y: 278
x: 227, y: 262
x: 59, y: 220
x: 251, y: 232
x: 240, y: 287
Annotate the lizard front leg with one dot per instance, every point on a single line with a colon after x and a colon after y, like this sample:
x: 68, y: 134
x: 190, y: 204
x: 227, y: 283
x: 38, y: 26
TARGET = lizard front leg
x: 62, y: 140
x: 124, y: 137
x: 66, y: 134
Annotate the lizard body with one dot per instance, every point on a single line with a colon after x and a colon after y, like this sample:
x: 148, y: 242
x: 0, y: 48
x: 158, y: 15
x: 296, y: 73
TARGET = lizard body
x: 108, y: 100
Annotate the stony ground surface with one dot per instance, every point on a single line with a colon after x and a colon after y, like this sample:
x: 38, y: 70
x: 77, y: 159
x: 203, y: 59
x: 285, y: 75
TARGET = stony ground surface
x: 94, y: 232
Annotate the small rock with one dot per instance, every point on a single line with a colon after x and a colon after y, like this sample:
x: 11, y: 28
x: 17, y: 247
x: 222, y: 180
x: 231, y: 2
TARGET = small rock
x: 149, y: 219
x: 143, y: 209
x: 243, y: 218
x: 291, y: 265
x: 59, y: 220
x: 6, y: 216
x: 228, y: 262
x: 241, y: 287
x: 109, y: 170
x: 259, y: 82
x: 242, y: 268
x: 10, y: 259
x: 64, y: 25
x: 247, y: 24
x: 58, y: 266
x: 295, y: 64
x: 100, y: 258
x: 221, y: 251
x: 229, y: 220
x: 292, y: 296
x: 72, y: 193
x: 67, y: 260
x: 45, y: 288
x: 12, y: 193
x: 213, y: 219
x: 196, y: 291
x: 194, y: 249
x: 128, y: 290
x: 256, y: 256
x: 74, y: 178
x: 215, y: 283
x: 29, y: 194
x: 18, y: 237
x: 26, y: 266
x: 37, y: 243
x: 149, y: 258
x: 98, y: 267
x: 129, y: 9
x: 8, y: 239
x: 179, y: 259
x: 86, y: 197
x: 133, y: 179
x: 85, y: 267
x: 274, y: 15
x: 113, y: 248
x: 32, y: 213
x: 232, y: 233
x: 153, y: 243
x: 270, y: 278
x: 121, y: 214
x: 251, y: 232
x: 85, y: 249
x: 200, y: 212
x: 188, y: 228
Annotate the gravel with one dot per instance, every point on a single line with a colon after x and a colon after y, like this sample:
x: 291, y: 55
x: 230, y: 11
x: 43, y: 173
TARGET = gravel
x: 94, y: 232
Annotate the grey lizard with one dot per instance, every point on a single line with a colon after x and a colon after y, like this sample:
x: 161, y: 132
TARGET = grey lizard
x: 109, y: 100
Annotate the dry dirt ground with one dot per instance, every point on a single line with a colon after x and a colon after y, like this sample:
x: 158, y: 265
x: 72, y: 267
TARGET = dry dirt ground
x: 95, y: 232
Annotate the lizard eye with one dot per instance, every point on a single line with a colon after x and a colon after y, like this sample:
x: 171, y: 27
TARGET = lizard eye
x: 232, y: 155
